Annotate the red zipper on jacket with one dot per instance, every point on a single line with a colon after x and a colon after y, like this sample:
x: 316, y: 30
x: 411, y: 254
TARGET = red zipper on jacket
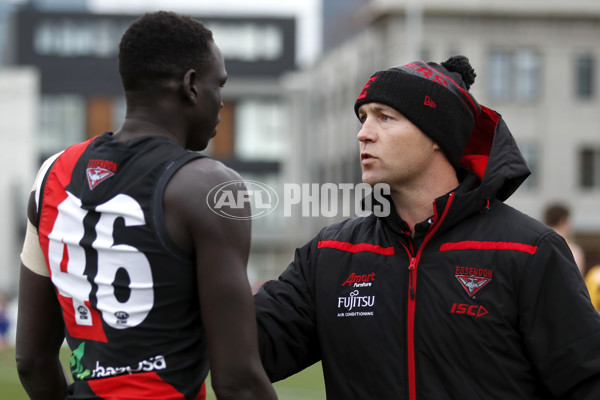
x: 412, y: 293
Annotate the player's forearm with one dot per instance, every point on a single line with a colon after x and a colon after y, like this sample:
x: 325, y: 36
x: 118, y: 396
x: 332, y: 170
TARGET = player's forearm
x: 245, y: 386
x: 42, y: 377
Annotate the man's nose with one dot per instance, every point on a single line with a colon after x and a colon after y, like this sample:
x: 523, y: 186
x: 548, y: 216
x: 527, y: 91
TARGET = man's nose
x: 367, y: 132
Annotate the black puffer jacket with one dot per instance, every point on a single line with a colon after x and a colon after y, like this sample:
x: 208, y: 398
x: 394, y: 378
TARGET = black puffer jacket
x: 484, y: 303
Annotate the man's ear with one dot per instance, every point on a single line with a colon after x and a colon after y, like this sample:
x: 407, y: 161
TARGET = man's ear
x: 190, y: 91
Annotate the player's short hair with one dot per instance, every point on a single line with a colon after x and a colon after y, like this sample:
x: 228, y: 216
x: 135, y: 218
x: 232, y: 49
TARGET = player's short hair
x: 159, y: 46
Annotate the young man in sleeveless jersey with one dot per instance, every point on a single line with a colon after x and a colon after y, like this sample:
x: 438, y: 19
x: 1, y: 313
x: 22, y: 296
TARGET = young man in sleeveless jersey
x: 124, y: 258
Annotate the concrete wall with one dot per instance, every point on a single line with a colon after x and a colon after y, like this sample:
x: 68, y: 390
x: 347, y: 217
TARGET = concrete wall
x: 19, y: 96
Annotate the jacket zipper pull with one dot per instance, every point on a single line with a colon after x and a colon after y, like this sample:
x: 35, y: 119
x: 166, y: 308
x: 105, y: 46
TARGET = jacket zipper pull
x: 411, y: 268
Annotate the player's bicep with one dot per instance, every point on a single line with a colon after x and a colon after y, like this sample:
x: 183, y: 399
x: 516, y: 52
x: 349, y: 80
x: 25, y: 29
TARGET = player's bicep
x: 223, y: 287
x: 221, y: 246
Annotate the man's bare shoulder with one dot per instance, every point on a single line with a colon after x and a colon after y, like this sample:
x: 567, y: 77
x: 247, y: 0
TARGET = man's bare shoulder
x: 203, y: 174
x: 190, y: 187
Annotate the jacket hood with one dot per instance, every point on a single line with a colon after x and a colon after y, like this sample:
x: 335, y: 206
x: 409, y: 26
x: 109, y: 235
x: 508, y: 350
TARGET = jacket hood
x: 492, y: 154
x: 492, y: 168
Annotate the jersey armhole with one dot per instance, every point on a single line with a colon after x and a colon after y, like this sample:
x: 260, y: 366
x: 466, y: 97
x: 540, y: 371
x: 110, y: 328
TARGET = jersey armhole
x: 157, y: 202
x: 40, y: 186
x: 32, y: 256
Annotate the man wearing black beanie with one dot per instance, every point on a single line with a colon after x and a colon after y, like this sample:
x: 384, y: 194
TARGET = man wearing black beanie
x: 432, y: 98
x: 454, y: 294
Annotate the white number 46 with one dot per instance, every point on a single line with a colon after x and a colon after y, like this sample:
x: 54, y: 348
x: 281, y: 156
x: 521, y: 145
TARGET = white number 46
x: 67, y: 259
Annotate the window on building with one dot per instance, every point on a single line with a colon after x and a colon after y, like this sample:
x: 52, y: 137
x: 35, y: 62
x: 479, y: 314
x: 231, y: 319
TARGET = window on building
x: 589, y: 177
x: 62, y: 123
x: 499, y: 83
x: 527, y: 71
x: 530, y: 152
x: 514, y: 75
x: 260, y: 130
x: 584, y: 76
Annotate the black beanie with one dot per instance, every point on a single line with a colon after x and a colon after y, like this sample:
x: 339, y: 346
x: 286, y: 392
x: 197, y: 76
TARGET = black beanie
x: 433, y: 97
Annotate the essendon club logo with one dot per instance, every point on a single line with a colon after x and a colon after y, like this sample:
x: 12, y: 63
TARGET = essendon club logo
x: 98, y: 171
x: 473, y: 279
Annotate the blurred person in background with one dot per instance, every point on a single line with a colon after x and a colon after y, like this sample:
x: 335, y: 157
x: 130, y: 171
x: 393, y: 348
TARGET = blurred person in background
x: 592, y: 281
x: 558, y: 217
x: 148, y: 285
x: 4, y: 322
x: 454, y: 294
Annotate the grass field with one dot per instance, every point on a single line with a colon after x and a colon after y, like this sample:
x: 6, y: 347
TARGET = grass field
x: 306, y: 385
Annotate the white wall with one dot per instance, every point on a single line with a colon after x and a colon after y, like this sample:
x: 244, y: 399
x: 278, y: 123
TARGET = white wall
x: 19, y: 96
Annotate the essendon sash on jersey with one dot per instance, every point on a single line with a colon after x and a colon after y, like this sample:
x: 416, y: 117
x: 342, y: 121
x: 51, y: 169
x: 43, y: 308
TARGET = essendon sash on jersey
x: 105, y: 251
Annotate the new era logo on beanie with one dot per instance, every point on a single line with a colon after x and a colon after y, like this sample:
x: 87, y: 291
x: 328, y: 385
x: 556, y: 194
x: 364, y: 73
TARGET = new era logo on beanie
x: 433, y: 97
x: 429, y: 102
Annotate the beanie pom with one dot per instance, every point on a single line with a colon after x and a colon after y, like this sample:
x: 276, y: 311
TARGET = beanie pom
x: 462, y: 66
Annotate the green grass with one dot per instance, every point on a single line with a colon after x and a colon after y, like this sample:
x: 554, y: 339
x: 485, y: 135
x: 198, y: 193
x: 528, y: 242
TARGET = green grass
x: 10, y: 386
x: 306, y: 385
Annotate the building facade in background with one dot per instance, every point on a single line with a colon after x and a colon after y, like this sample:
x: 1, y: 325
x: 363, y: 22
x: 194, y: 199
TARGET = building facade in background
x: 19, y: 100
x: 79, y: 96
x: 537, y: 64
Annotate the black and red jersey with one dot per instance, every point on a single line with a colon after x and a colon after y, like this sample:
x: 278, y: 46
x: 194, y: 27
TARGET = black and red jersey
x: 128, y: 294
x: 481, y: 302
